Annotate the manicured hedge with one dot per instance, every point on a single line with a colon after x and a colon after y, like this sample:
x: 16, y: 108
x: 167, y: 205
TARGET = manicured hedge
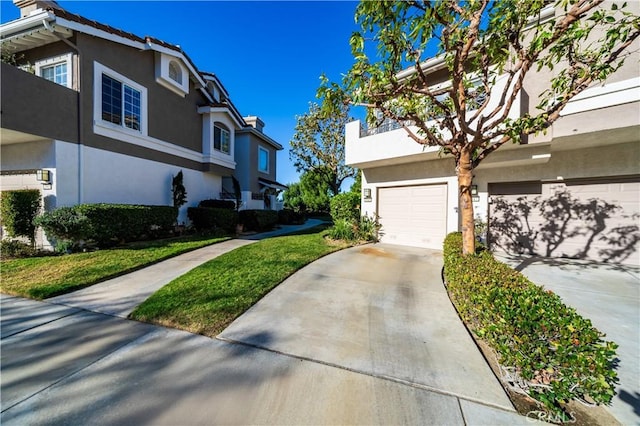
x: 556, y: 354
x: 218, y: 204
x: 290, y: 217
x: 108, y: 224
x: 205, y: 218
x: 258, y: 220
x: 18, y: 210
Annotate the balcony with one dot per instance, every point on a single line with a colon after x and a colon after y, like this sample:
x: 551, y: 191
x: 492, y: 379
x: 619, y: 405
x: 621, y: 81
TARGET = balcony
x: 34, y: 108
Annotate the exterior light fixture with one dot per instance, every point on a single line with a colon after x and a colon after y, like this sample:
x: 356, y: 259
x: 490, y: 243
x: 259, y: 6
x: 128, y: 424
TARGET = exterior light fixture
x: 367, y: 194
x: 474, y: 189
x: 43, y: 176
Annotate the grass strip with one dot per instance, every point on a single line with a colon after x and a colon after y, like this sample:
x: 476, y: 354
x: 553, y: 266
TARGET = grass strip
x: 211, y: 296
x: 43, y: 277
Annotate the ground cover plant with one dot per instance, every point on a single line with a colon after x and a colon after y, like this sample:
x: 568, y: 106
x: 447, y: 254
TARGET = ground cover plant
x: 211, y: 296
x: 544, y: 347
x: 43, y: 277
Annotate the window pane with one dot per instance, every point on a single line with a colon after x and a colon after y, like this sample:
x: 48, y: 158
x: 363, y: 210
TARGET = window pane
x: 263, y: 160
x: 111, y: 100
x: 47, y: 73
x: 61, y: 74
x: 131, y: 108
x: 225, y: 142
x: 216, y: 138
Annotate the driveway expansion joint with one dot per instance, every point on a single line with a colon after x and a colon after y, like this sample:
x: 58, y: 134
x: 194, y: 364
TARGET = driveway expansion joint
x: 372, y: 375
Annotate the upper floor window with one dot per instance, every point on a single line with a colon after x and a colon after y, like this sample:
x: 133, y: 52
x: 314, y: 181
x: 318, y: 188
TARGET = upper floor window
x: 119, y: 101
x: 263, y: 160
x: 171, y: 73
x: 56, y: 69
x: 121, y: 104
x: 175, y: 72
x: 221, y: 139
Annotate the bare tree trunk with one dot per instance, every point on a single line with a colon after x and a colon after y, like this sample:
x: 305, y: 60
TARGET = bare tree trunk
x: 465, y: 178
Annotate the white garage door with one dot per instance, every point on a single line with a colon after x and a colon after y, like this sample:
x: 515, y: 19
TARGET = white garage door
x: 413, y: 215
x: 593, y: 220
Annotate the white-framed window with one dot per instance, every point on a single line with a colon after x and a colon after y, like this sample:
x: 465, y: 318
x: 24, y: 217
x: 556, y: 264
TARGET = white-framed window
x: 175, y: 72
x: 263, y: 160
x: 221, y: 138
x: 119, y: 102
x: 56, y: 69
x: 171, y: 73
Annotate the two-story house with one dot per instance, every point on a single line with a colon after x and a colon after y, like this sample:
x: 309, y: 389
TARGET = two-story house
x: 572, y: 192
x: 256, y: 169
x: 91, y: 113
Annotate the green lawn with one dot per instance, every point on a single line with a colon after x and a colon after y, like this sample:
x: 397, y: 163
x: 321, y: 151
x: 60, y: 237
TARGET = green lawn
x: 43, y: 277
x: 208, y: 298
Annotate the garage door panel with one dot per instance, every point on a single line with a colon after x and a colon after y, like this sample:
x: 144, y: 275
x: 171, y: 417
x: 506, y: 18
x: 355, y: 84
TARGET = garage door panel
x: 588, y: 220
x: 413, y: 215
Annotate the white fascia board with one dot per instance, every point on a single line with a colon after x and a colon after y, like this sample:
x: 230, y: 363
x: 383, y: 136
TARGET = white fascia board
x: 210, y: 109
x: 26, y: 23
x: 218, y: 84
x: 177, y: 54
x: 261, y: 136
x: 604, y: 96
x: 87, y: 29
x: 429, y: 65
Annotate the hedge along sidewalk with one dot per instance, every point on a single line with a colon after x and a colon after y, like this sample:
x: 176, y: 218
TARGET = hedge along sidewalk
x: 119, y: 296
x: 210, y: 297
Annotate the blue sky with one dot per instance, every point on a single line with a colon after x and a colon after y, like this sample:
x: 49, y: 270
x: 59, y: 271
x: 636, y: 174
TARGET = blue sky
x: 268, y: 54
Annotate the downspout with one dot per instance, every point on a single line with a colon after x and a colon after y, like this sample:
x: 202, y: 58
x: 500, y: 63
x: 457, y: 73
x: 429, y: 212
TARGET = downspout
x: 48, y: 27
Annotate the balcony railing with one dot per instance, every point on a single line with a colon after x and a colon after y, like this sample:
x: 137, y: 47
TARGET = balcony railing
x: 386, y: 126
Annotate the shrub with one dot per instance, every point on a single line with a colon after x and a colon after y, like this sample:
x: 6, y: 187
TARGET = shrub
x: 343, y: 229
x: 108, y: 224
x: 368, y: 229
x: 15, y: 248
x: 346, y: 206
x: 19, y: 210
x: 218, y: 204
x: 205, y: 218
x: 555, y: 354
x: 258, y: 220
x: 290, y: 217
x: 67, y: 225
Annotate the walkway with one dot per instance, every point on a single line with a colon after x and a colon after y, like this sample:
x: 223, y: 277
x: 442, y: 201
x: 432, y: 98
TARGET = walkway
x: 120, y: 296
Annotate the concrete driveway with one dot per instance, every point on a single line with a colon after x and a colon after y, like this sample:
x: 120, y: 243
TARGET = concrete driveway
x: 607, y: 294
x: 363, y: 336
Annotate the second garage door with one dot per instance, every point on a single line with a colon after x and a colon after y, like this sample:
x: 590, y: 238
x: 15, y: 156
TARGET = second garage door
x: 413, y: 215
x: 593, y: 220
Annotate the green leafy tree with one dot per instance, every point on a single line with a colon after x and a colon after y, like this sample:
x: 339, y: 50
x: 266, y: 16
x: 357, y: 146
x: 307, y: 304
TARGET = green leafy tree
x: 292, y: 198
x: 318, y: 145
x: 315, y: 186
x: 478, y: 42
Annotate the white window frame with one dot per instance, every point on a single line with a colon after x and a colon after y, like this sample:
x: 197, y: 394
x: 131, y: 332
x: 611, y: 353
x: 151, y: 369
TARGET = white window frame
x: 98, y: 71
x: 163, y: 78
x: 266, y: 151
x: 222, y: 129
x: 56, y: 60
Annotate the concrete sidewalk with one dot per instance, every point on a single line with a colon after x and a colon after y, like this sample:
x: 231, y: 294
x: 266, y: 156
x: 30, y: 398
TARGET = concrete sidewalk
x: 363, y: 336
x: 121, y: 295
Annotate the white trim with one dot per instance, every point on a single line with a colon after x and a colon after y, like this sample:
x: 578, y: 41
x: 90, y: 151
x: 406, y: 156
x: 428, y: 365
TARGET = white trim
x: 604, y: 96
x: 98, y: 71
x: 55, y: 60
x: 162, y: 74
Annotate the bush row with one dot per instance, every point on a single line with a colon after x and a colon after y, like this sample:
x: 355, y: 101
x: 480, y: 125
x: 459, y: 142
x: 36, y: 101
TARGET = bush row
x: 207, y: 218
x: 555, y: 354
x: 204, y: 218
x: 107, y: 224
